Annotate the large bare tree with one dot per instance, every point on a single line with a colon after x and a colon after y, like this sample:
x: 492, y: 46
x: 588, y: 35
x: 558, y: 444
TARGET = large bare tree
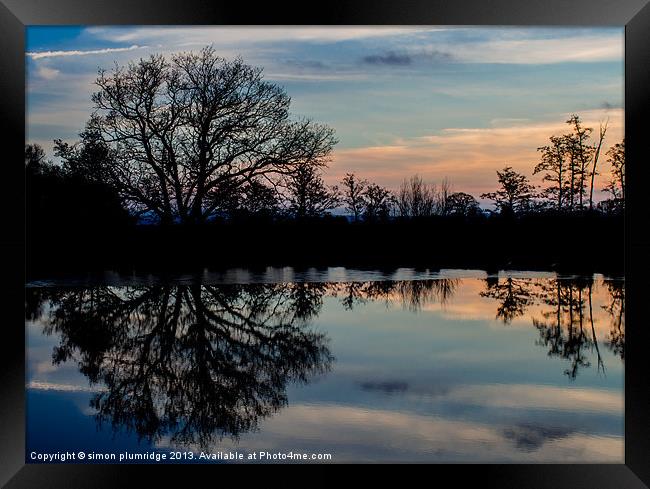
x: 186, y: 133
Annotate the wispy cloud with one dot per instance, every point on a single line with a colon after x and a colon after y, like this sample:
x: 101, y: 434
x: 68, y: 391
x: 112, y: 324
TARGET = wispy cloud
x: 47, y: 73
x: 577, y: 49
x: 248, y: 35
x: 75, y: 52
x: 389, y: 58
x: 333, y: 428
x: 469, y: 155
x: 393, y: 58
x: 50, y: 386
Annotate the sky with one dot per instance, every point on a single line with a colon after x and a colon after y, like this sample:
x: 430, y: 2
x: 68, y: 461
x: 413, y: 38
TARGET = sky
x: 438, y: 101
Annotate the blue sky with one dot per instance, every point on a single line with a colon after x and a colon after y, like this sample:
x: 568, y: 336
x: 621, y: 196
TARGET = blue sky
x: 438, y: 101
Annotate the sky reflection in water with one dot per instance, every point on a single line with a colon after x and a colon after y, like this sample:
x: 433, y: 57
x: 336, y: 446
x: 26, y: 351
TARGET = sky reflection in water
x: 444, y: 367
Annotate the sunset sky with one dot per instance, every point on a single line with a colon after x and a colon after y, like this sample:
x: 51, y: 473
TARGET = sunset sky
x: 437, y: 101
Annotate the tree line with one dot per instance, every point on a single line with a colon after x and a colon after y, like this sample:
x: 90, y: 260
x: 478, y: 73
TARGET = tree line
x: 568, y: 165
x: 198, y: 137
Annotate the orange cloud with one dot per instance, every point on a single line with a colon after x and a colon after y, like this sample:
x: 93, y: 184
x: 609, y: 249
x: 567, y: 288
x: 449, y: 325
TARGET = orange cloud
x: 469, y: 157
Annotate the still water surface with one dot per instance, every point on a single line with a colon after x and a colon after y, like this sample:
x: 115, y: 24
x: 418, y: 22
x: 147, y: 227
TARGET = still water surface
x: 449, y: 366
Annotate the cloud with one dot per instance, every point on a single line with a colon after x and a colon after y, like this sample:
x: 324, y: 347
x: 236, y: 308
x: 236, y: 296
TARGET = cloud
x: 609, y: 106
x: 47, y: 73
x: 247, y: 35
x: 56, y: 54
x: 470, y: 155
x: 390, y: 58
x: 393, y: 58
x: 314, y: 77
x: 49, y: 386
x: 360, y: 433
x: 306, y: 64
x: 387, y: 387
x: 481, y: 46
x: 529, y: 437
x: 580, y: 49
x: 546, y: 397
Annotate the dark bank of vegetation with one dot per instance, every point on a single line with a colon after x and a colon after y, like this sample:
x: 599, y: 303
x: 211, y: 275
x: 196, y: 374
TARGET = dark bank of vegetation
x: 196, y: 162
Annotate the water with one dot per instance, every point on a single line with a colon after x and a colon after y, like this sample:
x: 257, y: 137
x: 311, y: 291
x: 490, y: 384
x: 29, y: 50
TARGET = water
x: 445, y: 366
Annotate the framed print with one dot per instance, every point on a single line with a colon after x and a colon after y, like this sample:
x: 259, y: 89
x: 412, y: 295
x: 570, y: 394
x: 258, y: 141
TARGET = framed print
x: 366, y: 234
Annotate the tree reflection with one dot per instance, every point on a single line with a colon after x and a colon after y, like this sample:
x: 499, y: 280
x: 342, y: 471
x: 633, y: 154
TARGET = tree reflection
x: 410, y: 294
x: 194, y: 363
x: 564, y: 331
x: 514, y: 295
x: 616, y: 311
x: 190, y: 362
x: 566, y: 326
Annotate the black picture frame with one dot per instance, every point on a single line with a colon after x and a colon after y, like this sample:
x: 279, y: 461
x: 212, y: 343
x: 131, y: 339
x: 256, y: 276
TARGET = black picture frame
x: 633, y: 14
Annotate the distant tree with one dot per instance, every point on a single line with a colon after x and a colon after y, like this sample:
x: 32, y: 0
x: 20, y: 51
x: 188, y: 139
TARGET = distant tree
x: 259, y: 199
x: 515, y: 195
x: 182, y: 130
x: 553, y: 164
x: 570, y: 164
x: 307, y: 194
x: 601, y: 137
x: 580, y: 156
x: 352, y: 192
x: 616, y: 186
x: 462, y: 204
x: 34, y: 159
x: 378, y: 202
x: 89, y: 159
x: 442, y: 198
x: 416, y: 198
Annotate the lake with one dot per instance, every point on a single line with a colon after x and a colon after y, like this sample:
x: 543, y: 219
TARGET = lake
x: 347, y: 365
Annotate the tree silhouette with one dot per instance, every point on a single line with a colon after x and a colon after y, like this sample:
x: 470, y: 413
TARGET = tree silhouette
x: 462, y: 204
x: 443, y: 204
x: 416, y: 198
x: 183, y: 132
x: 191, y: 362
x: 581, y: 153
x: 89, y: 159
x: 378, y: 202
x: 596, y: 152
x: 515, y: 195
x: 35, y: 161
x: 257, y: 199
x: 352, y: 192
x: 552, y: 163
x: 616, y: 186
x: 306, y: 193
x: 569, y: 162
